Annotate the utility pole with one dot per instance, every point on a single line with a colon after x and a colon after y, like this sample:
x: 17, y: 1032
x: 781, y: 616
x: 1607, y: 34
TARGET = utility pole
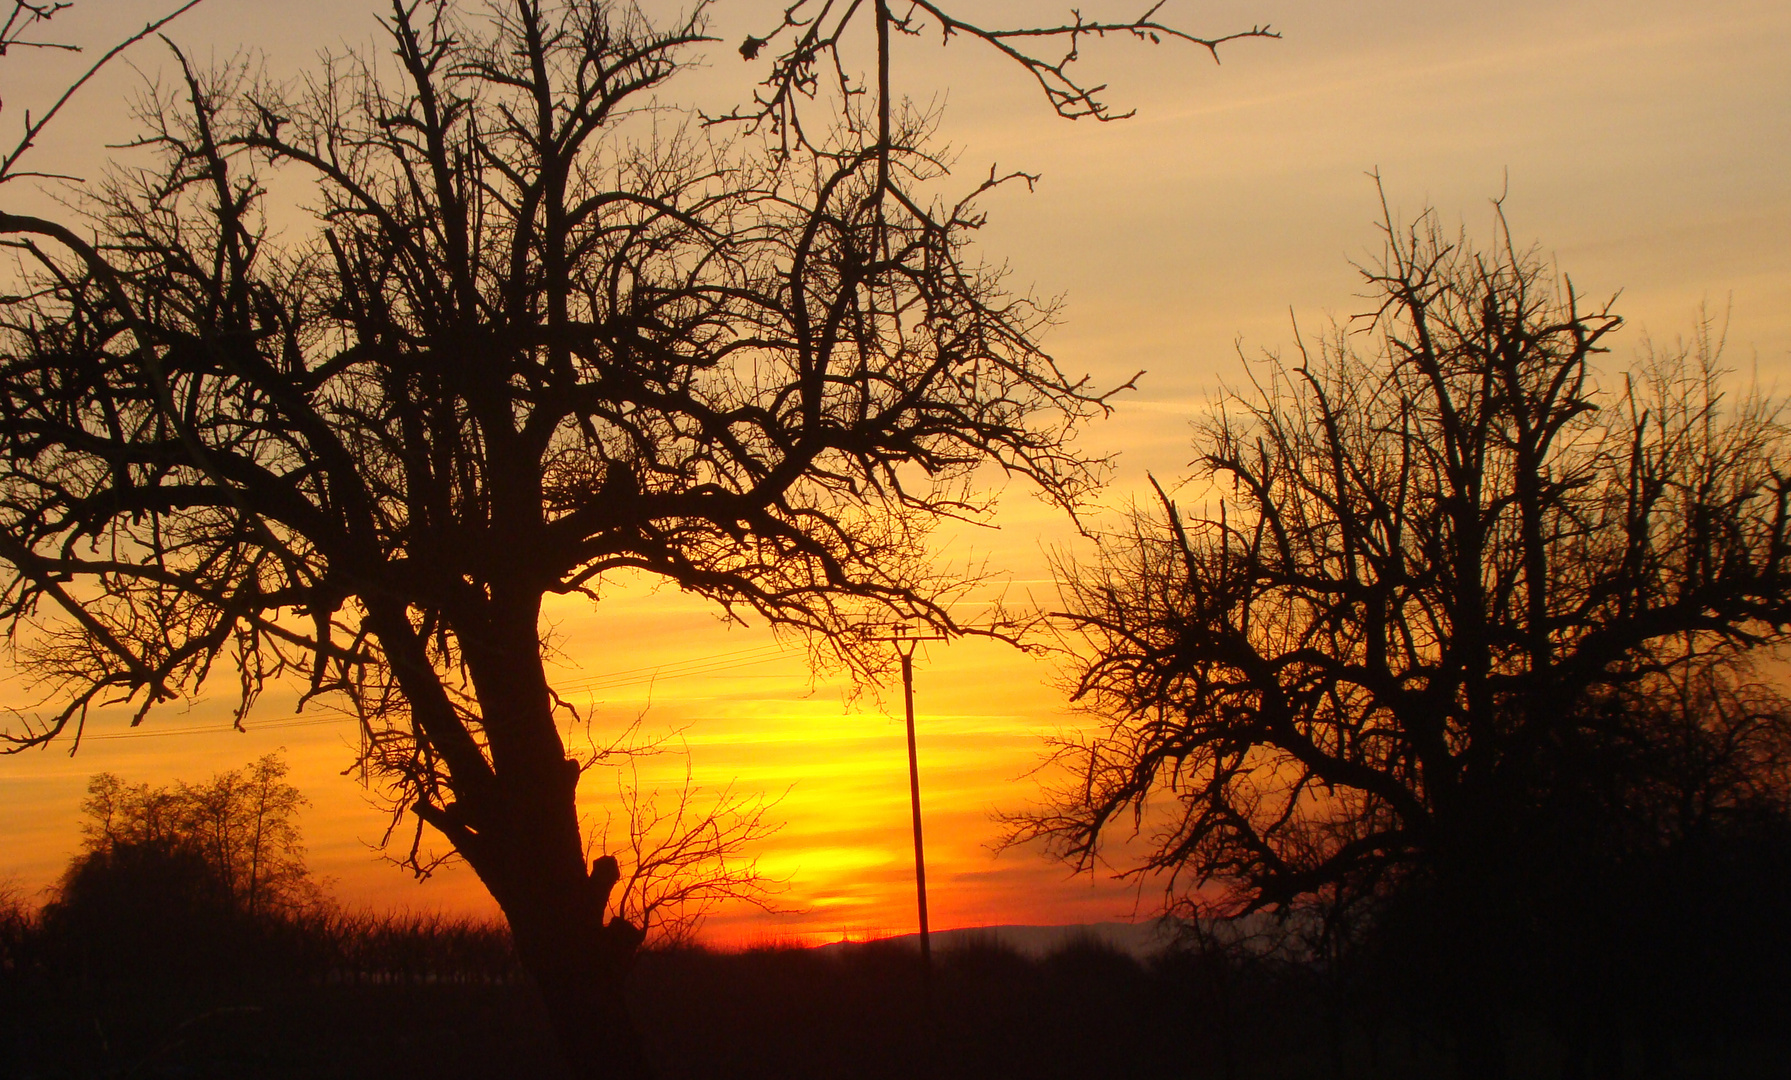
x: 905, y: 643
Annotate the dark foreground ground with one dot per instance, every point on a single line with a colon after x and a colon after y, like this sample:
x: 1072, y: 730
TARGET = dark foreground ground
x: 1084, y: 1011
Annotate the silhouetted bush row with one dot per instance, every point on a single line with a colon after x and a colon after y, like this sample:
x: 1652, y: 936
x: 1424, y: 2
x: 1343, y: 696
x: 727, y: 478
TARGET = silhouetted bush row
x: 172, y: 937
x: 1596, y: 934
x: 379, y: 996
x: 406, y: 948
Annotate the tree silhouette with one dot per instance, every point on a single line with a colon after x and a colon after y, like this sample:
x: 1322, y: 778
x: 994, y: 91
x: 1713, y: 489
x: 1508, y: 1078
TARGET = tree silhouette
x: 685, y: 852
x: 1424, y: 630
x: 243, y: 825
x: 542, y: 334
x: 182, y: 882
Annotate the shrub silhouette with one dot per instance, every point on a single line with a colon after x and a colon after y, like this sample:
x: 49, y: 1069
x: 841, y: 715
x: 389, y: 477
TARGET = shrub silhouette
x: 142, y: 909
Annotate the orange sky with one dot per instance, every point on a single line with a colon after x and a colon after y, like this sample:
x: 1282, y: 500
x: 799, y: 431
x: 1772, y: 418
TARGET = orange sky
x: 1647, y: 145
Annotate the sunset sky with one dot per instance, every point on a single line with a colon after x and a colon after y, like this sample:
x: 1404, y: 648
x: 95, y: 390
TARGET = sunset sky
x: 1645, y: 145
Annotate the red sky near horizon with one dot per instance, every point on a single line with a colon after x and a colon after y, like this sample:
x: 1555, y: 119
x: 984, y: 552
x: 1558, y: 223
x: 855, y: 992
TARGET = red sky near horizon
x: 1645, y: 146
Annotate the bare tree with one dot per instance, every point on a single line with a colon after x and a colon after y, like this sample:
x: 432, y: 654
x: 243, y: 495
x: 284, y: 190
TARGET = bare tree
x: 686, y: 851
x: 1453, y: 648
x: 1422, y: 575
x: 523, y: 354
x: 544, y: 332
x: 246, y: 821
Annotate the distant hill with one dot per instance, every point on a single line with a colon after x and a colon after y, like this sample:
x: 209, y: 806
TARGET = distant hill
x: 1139, y: 939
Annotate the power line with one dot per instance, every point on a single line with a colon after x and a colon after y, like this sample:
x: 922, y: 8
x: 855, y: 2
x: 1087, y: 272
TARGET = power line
x: 711, y: 664
x: 702, y: 665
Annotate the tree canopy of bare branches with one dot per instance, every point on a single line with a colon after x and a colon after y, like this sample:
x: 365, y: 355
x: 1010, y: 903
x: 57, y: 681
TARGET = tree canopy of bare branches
x: 17, y: 33
x: 545, y: 330
x: 1433, y: 561
x: 807, y: 57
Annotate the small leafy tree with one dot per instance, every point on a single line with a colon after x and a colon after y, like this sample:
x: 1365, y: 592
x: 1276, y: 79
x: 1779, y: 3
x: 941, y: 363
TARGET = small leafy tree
x: 181, y: 881
x: 243, y: 826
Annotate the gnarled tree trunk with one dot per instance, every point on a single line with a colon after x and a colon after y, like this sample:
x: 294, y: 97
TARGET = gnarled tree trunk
x: 516, y: 823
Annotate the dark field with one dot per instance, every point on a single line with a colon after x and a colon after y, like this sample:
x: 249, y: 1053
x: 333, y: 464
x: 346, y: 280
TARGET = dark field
x: 1083, y: 1011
